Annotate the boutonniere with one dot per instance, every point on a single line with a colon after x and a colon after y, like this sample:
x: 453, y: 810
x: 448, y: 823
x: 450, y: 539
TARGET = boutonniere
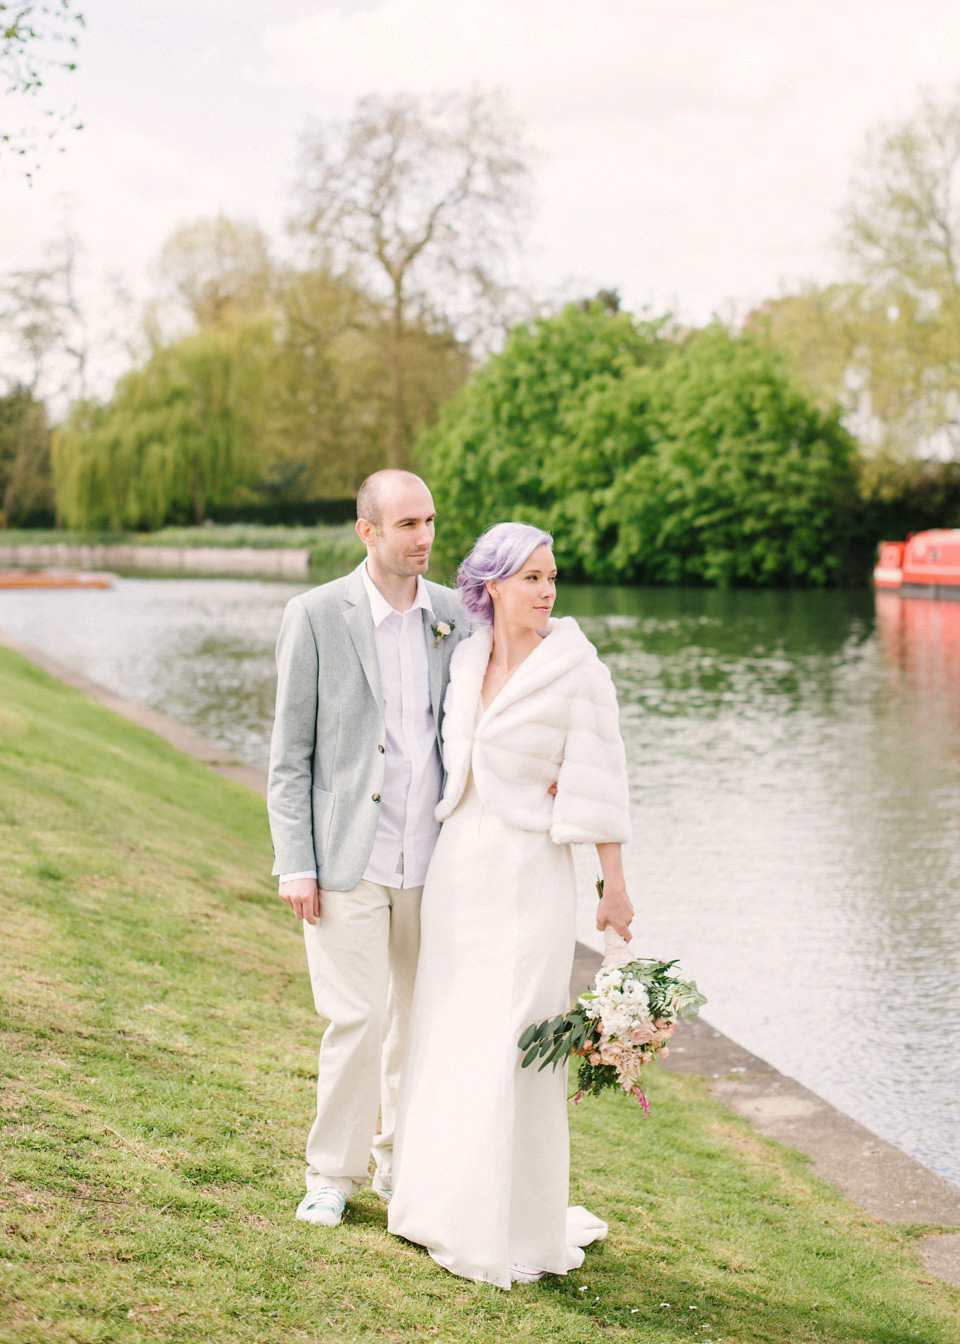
x: 441, y: 630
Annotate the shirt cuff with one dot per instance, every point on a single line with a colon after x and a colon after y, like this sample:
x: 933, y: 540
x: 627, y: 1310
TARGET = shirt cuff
x: 292, y: 877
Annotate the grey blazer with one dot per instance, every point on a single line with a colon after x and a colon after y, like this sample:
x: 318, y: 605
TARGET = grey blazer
x: 327, y: 749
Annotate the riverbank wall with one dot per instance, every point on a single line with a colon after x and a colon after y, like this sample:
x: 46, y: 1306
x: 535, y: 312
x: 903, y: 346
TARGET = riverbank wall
x: 872, y: 1173
x: 268, y: 562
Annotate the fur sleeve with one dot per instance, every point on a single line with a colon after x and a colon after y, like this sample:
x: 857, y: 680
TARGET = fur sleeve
x: 592, y: 805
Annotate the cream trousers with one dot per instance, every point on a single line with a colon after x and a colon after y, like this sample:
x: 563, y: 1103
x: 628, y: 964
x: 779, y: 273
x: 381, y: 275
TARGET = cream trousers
x: 362, y: 955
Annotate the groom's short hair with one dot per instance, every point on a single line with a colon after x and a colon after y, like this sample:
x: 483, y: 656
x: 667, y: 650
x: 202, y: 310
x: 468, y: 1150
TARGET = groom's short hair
x: 368, y: 496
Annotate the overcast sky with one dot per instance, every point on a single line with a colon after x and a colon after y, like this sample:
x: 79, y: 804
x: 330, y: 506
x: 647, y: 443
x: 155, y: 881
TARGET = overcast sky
x: 694, y: 153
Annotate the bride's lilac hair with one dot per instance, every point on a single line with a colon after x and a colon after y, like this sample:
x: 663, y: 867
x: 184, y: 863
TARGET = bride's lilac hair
x: 497, y: 554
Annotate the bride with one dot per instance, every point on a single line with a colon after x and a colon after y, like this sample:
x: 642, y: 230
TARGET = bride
x: 534, y: 763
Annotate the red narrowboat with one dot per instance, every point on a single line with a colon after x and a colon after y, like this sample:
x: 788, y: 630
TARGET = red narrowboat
x: 927, y: 564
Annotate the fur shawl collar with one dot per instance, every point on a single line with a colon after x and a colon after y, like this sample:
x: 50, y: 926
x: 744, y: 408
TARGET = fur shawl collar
x: 554, y: 722
x: 557, y: 653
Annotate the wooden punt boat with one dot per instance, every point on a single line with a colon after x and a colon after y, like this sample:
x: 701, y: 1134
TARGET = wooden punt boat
x: 52, y: 578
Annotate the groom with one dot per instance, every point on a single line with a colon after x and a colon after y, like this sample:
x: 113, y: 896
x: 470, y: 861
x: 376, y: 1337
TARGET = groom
x: 355, y: 775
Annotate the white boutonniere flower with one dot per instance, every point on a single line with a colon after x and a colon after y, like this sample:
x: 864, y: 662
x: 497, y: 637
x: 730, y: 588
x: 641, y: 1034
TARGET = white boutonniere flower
x: 441, y: 630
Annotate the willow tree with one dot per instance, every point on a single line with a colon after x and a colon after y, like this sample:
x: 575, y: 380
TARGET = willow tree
x: 181, y: 435
x: 422, y: 198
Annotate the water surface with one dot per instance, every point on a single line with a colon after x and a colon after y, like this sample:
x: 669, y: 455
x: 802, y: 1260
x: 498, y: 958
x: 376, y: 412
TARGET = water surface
x: 795, y: 775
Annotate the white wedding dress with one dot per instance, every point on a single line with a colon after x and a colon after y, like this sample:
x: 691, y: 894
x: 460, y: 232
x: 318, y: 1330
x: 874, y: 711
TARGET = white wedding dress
x: 481, y: 1167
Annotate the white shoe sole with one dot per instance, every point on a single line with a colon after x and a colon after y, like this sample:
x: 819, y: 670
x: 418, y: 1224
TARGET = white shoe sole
x: 320, y: 1220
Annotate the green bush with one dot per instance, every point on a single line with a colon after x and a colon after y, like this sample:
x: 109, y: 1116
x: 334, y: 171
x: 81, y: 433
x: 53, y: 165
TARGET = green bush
x: 505, y: 446
x: 649, y: 457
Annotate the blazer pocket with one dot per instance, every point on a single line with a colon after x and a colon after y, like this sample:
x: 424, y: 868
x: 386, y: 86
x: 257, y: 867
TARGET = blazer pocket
x: 322, y: 804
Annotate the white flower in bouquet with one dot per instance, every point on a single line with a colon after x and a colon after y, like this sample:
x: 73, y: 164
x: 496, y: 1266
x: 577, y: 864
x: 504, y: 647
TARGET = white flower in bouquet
x: 620, y: 1025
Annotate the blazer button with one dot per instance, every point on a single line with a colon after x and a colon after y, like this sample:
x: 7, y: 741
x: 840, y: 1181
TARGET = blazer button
x: 376, y: 797
x: 380, y: 747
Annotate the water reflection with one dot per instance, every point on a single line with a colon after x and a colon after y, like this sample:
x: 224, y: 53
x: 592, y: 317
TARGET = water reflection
x: 796, y: 782
x: 795, y: 770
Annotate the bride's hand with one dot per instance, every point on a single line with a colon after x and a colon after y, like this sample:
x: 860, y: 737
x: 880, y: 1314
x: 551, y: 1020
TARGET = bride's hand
x: 616, y: 910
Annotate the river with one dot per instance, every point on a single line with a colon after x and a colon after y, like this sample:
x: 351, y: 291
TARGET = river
x: 795, y: 777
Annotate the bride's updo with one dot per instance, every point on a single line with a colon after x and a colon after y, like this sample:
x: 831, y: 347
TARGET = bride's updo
x: 497, y: 554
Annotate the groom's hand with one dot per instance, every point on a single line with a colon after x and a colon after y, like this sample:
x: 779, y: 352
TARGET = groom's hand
x: 303, y: 897
x: 616, y: 910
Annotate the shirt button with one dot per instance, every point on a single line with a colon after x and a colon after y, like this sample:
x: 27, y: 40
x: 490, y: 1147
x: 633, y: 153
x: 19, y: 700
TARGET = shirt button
x: 380, y: 747
x: 376, y: 797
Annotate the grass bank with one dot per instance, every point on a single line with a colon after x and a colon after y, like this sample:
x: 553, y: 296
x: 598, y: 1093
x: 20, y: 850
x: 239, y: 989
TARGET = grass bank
x: 331, y: 546
x: 158, y: 1055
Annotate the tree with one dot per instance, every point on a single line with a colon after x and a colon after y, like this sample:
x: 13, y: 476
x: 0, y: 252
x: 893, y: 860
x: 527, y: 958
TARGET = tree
x: 902, y: 225
x: 820, y: 330
x: 36, y: 39
x: 217, y: 269
x: 886, y: 342
x: 422, y: 197
x: 45, y: 321
x: 326, y: 373
x: 506, y: 446
x: 649, y: 457
x: 738, y: 477
x: 901, y: 232
x: 329, y: 404
x: 181, y: 435
x: 26, y: 490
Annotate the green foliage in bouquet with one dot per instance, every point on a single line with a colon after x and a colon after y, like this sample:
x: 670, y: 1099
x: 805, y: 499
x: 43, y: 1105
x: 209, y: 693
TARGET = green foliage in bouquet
x: 553, y: 1040
x: 619, y: 1026
x: 556, y: 1038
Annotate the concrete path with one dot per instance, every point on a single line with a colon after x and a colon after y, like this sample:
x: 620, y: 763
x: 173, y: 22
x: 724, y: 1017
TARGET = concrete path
x: 869, y: 1171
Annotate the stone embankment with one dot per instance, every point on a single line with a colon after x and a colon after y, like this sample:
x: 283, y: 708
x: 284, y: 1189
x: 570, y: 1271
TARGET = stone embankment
x: 280, y: 562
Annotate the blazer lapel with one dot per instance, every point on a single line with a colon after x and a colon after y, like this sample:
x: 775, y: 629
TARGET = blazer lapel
x: 434, y: 664
x: 473, y: 655
x: 360, y: 625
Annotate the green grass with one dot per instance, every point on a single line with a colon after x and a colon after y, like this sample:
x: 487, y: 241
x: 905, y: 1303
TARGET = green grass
x: 156, y: 1086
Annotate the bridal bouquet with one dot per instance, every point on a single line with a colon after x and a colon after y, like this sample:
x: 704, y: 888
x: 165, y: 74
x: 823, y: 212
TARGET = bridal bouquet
x: 620, y: 1025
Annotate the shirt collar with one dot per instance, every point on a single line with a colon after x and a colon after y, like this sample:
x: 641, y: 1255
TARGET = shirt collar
x: 380, y: 608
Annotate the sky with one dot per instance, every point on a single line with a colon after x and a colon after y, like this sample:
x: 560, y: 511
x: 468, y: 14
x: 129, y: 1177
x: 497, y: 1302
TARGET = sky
x: 694, y: 154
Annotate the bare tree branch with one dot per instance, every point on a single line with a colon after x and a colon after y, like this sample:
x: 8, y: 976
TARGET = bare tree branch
x: 424, y: 198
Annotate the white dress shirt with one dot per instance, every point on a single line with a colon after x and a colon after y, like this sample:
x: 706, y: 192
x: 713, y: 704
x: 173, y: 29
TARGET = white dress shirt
x: 407, y: 829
